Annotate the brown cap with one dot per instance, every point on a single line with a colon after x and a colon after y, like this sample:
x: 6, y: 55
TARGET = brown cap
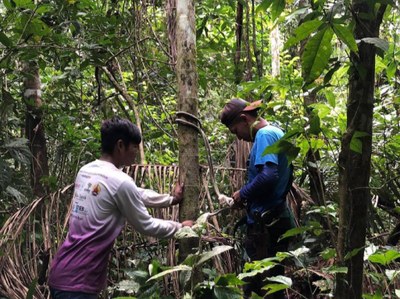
x: 236, y: 106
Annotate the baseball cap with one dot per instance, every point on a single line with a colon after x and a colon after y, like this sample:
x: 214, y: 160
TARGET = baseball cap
x: 236, y: 106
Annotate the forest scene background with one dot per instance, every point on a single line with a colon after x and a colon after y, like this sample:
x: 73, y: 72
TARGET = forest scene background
x: 327, y: 73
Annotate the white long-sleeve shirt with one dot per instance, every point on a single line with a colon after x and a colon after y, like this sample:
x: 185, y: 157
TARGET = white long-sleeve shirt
x: 104, y: 198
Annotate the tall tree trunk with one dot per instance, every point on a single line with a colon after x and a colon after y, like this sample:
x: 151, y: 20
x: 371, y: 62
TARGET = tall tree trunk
x: 257, y: 52
x: 354, y: 165
x: 275, y: 41
x: 239, y: 36
x: 34, y: 128
x: 186, y: 72
x: 171, y: 28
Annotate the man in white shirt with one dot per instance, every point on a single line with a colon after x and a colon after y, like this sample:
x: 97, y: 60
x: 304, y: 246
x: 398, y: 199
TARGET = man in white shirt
x: 104, y: 198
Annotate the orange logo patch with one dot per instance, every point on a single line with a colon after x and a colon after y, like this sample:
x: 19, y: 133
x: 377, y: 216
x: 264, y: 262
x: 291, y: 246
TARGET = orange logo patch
x: 96, y: 189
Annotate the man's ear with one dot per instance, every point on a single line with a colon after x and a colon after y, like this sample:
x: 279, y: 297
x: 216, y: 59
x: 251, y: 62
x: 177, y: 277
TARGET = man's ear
x: 119, y: 145
x: 246, y: 118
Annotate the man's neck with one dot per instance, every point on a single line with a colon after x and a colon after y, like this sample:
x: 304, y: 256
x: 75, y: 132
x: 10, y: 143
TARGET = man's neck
x: 109, y: 158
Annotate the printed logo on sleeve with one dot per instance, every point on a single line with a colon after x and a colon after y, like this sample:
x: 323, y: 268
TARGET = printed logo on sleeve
x: 96, y: 189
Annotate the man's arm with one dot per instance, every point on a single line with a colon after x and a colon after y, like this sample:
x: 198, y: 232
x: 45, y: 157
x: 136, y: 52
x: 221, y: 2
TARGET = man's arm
x: 263, y: 184
x: 130, y: 204
x: 152, y: 199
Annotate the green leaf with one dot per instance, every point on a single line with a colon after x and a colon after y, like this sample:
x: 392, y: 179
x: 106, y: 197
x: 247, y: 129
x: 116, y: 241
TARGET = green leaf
x: 185, y: 232
x: 31, y: 290
x: 328, y: 253
x: 384, y: 258
x: 276, y: 9
x: 129, y: 286
x: 352, y: 253
x: 282, y: 279
x: 331, y: 72
x: 17, y: 195
x: 217, y: 250
x: 377, y: 295
x: 316, y: 54
x: 294, y: 232
x: 356, y: 143
x: 283, y: 146
x: 227, y: 293
x: 169, y: 271
x: 302, y: 32
x: 7, y: 4
x: 274, y: 287
x: 335, y: 269
x: 378, y: 42
x: 264, y: 5
x: 190, y: 260
x: 346, y: 36
x: 321, y: 109
x: 315, y: 123
x: 5, y: 40
x: 24, y: 3
x: 228, y: 279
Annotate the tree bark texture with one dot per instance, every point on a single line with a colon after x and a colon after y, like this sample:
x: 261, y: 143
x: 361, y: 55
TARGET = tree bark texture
x: 188, y: 102
x: 34, y: 128
x: 171, y: 27
x: 354, y: 167
x: 239, y: 36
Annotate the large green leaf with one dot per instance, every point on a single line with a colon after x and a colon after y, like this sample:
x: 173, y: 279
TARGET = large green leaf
x: 277, y: 6
x: 303, y: 31
x: 384, y: 258
x: 5, y: 40
x: 228, y: 279
x: 217, y: 250
x: 227, y: 293
x: 283, y: 146
x: 316, y: 54
x: 283, y: 283
x: 378, y: 42
x: 169, y: 271
x: 24, y: 3
x: 276, y: 9
x: 346, y: 36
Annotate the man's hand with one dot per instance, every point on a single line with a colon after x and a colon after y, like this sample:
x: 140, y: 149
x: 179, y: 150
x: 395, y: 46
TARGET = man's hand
x: 177, y: 193
x: 187, y: 223
x: 238, y: 204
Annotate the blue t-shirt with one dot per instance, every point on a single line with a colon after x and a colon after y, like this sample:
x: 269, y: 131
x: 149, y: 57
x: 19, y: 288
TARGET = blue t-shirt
x: 267, y: 136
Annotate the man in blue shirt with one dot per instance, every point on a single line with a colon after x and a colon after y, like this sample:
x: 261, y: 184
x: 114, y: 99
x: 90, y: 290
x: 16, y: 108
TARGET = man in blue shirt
x: 264, y: 194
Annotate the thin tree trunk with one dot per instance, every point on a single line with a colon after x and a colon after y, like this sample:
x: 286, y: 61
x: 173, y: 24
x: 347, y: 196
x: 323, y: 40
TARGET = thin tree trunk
x: 34, y: 129
x: 171, y: 27
x: 275, y: 41
x: 186, y: 72
x: 257, y: 52
x: 354, y: 167
x: 239, y: 36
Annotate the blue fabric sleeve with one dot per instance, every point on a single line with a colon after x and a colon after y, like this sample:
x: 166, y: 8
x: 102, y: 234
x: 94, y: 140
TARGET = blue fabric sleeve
x: 263, y: 140
x: 263, y: 184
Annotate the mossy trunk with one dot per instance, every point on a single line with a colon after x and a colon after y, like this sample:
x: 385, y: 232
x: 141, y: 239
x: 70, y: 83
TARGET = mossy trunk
x: 187, y: 102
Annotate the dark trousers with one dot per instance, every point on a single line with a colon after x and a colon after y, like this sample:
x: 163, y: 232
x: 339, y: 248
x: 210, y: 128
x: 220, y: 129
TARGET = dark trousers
x: 262, y: 242
x: 58, y: 294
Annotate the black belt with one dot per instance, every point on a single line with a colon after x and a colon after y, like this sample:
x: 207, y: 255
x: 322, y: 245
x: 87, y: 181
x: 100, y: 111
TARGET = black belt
x: 270, y: 216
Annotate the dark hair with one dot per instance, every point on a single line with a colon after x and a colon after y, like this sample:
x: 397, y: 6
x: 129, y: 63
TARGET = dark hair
x: 115, y: 129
